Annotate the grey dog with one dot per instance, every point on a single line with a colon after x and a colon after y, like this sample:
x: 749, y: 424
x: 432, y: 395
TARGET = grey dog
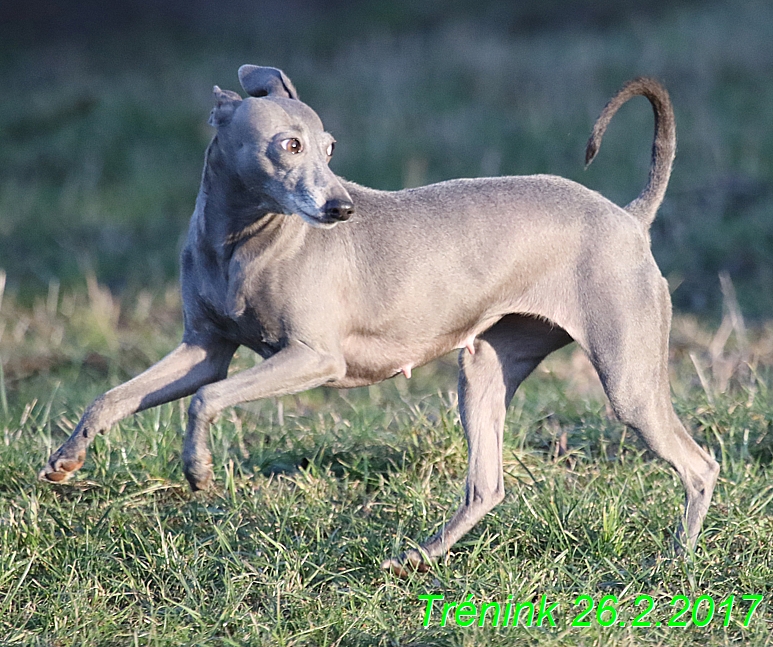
x: 507, y: 269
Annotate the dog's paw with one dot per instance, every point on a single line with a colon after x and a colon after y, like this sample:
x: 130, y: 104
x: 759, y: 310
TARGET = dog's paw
x: 199, y: 474
x: 409, y: 562
x: 59, y: 470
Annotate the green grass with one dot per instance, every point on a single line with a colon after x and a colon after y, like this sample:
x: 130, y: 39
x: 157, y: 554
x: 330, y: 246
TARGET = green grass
x: 286, y: 549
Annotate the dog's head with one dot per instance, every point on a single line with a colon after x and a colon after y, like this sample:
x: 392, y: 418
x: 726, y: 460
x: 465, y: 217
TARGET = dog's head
x: 278, y: 147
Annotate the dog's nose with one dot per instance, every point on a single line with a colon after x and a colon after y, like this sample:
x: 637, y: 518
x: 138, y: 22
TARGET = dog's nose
x: 340, y: 210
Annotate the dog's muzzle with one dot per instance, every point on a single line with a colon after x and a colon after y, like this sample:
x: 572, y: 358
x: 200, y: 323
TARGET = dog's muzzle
x: 338, y: 210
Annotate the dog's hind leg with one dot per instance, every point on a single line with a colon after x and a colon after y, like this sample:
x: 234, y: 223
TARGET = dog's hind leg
x: 504, y: 356
x: 652, y: 416
x: 632, y: 363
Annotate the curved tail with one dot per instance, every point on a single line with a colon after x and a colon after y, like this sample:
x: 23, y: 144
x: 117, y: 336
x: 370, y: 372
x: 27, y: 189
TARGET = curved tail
x: 663, y: 147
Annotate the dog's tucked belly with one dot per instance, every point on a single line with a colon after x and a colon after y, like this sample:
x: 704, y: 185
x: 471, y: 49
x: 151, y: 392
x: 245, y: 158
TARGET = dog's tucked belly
x: 371, y: 359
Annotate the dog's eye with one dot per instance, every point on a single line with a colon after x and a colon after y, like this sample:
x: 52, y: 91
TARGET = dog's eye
x: 292, y: 145
x: 331, y: 147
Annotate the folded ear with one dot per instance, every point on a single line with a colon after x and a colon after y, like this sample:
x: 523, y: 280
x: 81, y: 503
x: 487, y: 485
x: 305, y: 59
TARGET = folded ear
x: 225, y: 104
x: 266, y: 82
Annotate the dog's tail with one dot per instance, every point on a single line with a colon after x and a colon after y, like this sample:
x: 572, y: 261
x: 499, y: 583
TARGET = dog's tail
x: 663, y: 147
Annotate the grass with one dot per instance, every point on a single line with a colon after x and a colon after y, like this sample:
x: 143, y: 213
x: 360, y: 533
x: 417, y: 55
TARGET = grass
x: 314, y: 491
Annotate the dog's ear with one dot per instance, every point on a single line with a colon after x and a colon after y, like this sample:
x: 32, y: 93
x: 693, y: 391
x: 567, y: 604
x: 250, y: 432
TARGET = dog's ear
x: 225, y: 104
x: 266, y: 82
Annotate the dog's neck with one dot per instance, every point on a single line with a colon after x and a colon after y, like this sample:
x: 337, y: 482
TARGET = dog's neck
x: 230, y: 212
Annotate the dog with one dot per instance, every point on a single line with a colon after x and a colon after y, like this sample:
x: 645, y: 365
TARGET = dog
x: 336, y: 284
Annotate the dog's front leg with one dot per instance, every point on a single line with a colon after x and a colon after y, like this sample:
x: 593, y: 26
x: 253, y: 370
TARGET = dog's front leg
x: 177, y: 375
x: 295, y: 368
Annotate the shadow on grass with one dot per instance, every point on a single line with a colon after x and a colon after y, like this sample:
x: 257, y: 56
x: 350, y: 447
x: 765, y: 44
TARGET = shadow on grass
x: 364, y: 463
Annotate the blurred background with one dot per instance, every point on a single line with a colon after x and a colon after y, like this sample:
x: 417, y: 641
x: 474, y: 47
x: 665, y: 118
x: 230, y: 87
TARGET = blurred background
x: 104, y: 106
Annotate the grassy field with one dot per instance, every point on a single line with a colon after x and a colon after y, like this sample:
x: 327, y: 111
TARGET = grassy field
x: 100, y: 158
x: 314, y: 491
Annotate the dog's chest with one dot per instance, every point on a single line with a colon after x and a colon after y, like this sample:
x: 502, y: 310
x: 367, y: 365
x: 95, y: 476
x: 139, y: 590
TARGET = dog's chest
x: 251, y: 317
x: 239, y: 305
